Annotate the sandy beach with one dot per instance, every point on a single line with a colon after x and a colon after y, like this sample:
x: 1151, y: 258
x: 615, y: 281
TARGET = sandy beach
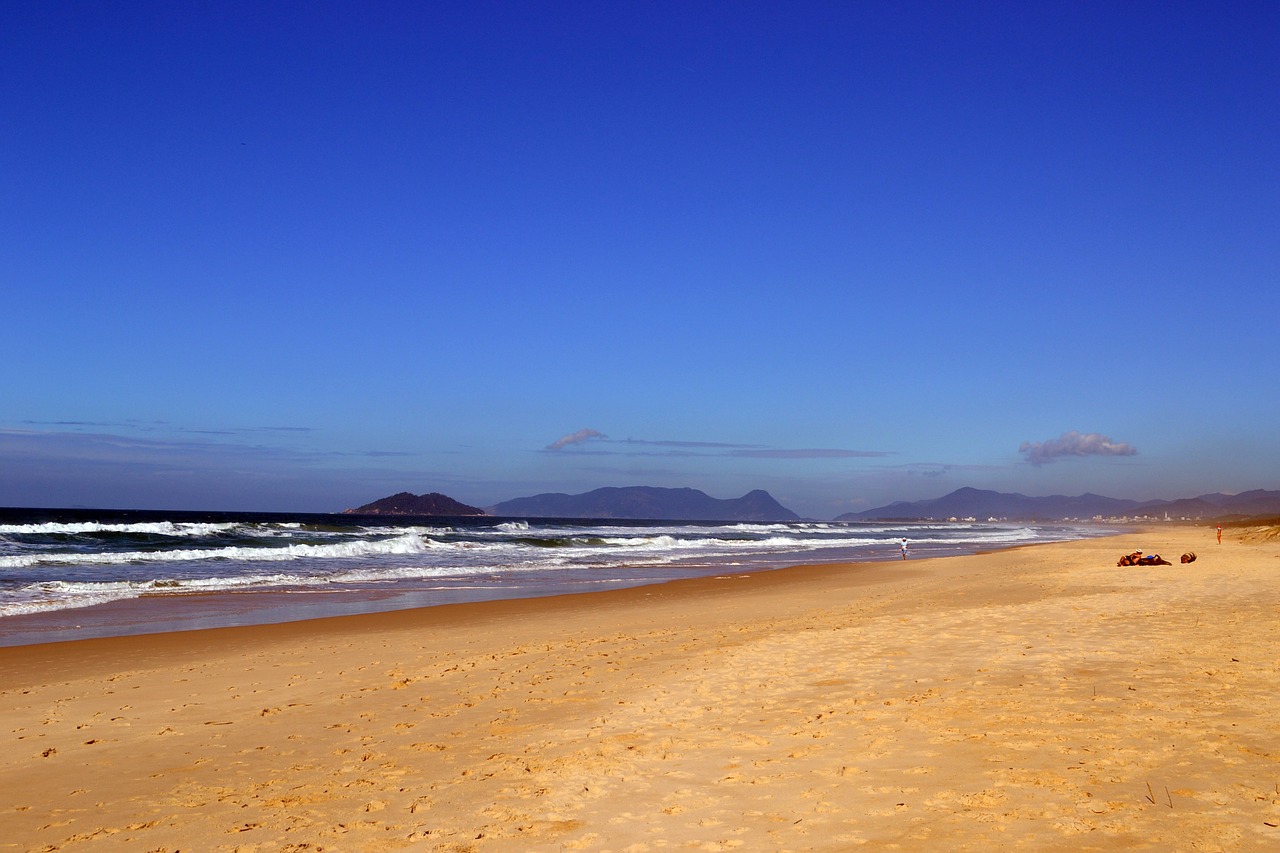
x: 1033, y: 699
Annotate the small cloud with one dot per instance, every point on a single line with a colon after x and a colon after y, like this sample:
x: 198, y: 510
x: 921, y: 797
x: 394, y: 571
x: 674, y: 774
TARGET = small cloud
x: 575, y: 438
x: 1074, y: 444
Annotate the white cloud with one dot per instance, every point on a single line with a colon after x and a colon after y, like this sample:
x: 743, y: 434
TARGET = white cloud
x: 1074, y: 444
x: 575, y: 438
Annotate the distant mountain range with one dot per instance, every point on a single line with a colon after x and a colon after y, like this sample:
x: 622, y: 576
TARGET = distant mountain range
x: 659, y: 504
x: 404, y: 503
x: 649, y: 502
x: 982, y: 504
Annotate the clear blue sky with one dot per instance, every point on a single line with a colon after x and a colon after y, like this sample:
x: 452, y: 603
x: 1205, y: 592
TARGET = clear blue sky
x: 299, y: 256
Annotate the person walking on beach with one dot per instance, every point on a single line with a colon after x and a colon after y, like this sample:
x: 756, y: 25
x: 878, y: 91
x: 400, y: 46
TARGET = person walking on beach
x: 904, y: 549
x: 1219, y: 534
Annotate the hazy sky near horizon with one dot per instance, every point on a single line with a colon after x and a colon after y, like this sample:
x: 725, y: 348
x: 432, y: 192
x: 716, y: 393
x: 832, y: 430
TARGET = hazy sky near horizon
x: 299, y: 256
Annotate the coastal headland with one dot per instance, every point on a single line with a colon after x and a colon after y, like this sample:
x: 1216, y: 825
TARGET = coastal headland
x: 1038, y: 698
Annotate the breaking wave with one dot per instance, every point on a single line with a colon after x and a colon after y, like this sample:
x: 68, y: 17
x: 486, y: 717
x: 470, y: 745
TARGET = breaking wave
x: 48, y: 565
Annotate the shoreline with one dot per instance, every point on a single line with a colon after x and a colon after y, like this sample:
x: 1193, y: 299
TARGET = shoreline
x: 159, y: 572
x: 243, y: 609
x: 148, y: 611
x: 440, y: 617
x: 1029, y: 698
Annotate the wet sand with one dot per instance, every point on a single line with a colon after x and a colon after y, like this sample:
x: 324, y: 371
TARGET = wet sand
x: 1033, y: 699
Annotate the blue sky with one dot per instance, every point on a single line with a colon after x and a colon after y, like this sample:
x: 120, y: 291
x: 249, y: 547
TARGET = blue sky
x: 299, y: 256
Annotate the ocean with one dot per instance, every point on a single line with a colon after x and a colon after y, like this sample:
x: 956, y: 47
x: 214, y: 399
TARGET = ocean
x: 75, y: 574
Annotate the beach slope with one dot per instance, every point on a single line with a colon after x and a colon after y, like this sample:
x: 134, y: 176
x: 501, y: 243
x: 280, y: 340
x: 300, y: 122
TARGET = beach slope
x: 1033, y: 699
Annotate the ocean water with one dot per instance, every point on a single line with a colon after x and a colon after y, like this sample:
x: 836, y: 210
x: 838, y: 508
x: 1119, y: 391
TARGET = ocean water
x: 68, y: 574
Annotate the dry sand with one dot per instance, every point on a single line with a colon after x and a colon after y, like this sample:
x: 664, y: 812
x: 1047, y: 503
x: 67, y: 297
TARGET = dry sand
x: 1036, y: 699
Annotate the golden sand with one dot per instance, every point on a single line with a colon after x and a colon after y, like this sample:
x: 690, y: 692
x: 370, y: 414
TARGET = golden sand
x: 1035, y: 699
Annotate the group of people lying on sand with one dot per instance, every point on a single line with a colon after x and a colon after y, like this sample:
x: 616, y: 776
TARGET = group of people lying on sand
x: 1138, y: 559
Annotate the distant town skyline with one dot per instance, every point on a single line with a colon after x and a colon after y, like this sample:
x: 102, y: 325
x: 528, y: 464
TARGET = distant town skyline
x: 298, y: 258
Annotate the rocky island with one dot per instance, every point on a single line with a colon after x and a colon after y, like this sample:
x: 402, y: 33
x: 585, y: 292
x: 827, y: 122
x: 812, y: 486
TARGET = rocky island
x: 405, y: 503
